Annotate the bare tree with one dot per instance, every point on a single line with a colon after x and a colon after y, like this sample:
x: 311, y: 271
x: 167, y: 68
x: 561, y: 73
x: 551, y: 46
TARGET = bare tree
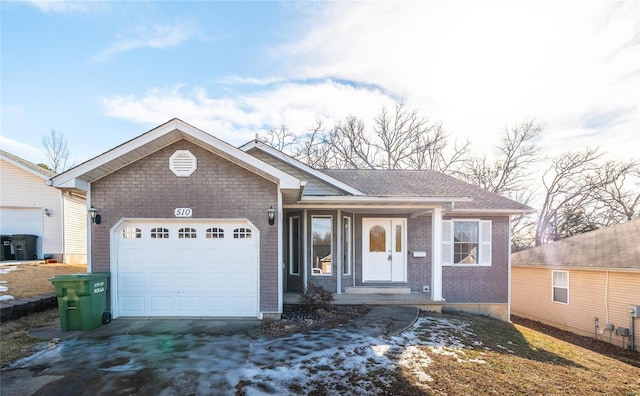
x: 509, y: 173
x: 57, y: 151
x: 281, y: 138
x: 314, y: 148
x: 352, y: 146
x: 568, y: 183
x: 618, y: 194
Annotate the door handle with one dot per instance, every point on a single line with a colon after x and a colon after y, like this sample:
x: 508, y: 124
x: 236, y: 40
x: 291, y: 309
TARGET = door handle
x: 389, y: 258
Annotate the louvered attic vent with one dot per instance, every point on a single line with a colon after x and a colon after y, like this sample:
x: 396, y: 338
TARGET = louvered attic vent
x: 182, y: 163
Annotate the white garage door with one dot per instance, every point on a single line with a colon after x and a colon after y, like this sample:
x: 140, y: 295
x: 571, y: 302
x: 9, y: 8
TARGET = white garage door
x: 187, y: 268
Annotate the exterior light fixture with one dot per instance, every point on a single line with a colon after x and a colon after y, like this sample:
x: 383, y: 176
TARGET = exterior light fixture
x: 95, y: 217
x: 47, y: 212
x: 271, y: 212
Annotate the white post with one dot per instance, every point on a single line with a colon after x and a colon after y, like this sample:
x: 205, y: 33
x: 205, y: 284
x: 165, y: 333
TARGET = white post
x: 305, y: 247
x: 338, y: 255
x: 281, y: 265
x: 436, y: 249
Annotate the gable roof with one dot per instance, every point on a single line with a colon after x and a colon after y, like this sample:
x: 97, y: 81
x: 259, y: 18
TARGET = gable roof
x: 25, y: 165
x: 287, y: 159
x: 79, y: 177
x: 611, y: 247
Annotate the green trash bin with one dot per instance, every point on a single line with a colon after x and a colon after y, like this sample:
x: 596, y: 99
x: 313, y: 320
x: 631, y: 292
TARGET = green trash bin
x: 82, y: 300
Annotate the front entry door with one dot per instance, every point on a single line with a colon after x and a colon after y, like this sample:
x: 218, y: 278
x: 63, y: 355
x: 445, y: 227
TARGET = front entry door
x: 383, y: 250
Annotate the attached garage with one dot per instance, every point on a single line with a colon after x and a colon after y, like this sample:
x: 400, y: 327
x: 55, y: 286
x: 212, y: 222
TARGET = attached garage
x: 185, y: 267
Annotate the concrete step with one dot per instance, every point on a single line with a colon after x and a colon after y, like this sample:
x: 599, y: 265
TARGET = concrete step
x: 377, y: 290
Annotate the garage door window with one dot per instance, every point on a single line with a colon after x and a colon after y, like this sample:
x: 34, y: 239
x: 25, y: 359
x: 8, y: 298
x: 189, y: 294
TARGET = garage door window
x: 242, y: 233
x: 131, y: 233
x: 187, y: 233
x: 160, y: 233
x: 215, y: 233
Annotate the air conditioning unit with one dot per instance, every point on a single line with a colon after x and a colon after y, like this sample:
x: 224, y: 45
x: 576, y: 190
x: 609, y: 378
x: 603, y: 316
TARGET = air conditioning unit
x: 634, y: 311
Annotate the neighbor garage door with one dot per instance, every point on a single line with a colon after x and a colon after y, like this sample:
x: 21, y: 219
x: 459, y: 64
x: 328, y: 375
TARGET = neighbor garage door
x: 187, y: 268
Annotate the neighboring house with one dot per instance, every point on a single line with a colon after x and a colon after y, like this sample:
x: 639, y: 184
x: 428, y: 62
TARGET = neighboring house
x: 184, y: 228
x: 569, y: 283
x: 28, y: 206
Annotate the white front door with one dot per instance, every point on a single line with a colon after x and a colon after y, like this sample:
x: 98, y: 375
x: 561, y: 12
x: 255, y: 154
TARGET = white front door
x: 383, y: 250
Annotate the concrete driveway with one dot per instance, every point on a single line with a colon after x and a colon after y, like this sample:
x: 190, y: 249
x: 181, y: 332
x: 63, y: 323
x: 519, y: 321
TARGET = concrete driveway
x: 195, y: 357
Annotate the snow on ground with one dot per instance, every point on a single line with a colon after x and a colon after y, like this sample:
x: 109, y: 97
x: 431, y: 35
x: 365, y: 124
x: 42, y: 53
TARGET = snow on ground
x: 342, y: 361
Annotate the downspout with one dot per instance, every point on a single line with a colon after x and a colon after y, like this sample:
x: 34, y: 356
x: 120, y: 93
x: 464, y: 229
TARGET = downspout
x: 509, y: 275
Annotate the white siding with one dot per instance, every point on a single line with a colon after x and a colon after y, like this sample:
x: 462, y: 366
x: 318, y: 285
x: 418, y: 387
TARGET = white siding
x: 75, y: 233
x: 20, y: 189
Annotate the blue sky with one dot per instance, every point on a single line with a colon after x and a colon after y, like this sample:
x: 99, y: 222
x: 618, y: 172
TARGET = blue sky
x: 104, y: 72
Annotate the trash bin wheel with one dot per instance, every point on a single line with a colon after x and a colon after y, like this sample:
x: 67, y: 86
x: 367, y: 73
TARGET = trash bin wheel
x: 106, y: 317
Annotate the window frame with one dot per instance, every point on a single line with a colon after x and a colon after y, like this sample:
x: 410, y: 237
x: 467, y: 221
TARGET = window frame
x: 485, y: 246
x: 554, y: 286
x: 187, y: 232
x: 291, y: 242
x: 330, y: 217
x: 347, y: 239
x: 214, y: 232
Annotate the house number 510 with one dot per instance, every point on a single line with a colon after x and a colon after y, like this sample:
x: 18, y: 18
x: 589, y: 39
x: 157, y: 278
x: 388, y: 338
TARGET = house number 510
x: 183, y: 212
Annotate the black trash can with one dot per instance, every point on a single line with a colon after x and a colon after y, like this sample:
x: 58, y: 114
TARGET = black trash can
x: 5, y: 248
x: 25, y: 246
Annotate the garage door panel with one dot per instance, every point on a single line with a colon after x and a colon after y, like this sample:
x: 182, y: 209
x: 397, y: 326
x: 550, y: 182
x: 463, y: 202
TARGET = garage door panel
x: 187, y: 276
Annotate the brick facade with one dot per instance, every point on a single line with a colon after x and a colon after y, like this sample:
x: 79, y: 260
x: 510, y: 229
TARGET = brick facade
x: 217, y: 189
x: 486, y: 284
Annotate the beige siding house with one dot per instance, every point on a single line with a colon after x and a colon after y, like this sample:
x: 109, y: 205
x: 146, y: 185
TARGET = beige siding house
x: 29, y: 206
x: 569, y: 283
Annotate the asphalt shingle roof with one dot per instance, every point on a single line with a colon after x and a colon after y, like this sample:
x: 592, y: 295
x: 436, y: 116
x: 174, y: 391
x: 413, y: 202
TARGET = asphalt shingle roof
x: 422, y: 183
x: 613, y: 247
x: 45, y: 172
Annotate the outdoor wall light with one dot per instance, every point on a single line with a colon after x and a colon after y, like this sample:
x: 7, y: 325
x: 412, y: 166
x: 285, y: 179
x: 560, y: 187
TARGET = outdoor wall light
x: 271, y: 212
x: 47, y: 212
x: 95, y: 217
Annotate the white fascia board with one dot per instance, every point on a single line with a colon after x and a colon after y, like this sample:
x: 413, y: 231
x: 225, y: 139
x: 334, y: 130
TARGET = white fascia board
x: 510, y: 212
x: 286, y: 181
x: 303, y: 167
x: 74, y: 184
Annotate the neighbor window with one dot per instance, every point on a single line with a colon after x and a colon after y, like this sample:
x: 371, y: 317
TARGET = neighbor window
x: 466, y: 242
x: 560, y: 286
x: 131, y: 233
x: 187, y: 233
x: 294, y: 246
x: 214, y: 233
x: 159, y: 233
x: 346, y: 245
x: 242, y: 233
x: 321, y: 235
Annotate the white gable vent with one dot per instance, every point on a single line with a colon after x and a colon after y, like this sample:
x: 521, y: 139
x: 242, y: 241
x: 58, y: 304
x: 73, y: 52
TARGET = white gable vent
x: 182, y: 163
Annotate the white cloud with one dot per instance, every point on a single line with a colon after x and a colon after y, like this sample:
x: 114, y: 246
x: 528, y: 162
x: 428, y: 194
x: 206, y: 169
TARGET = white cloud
x: 22, y: 150
x: 476, y: 66
x: 480, y: 66
x: 237, y: 119
x: 156, y: 36
x: 61, y: 6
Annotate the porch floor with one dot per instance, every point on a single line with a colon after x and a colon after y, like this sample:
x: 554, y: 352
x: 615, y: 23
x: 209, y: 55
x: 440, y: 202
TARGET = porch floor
x: 418, y: 299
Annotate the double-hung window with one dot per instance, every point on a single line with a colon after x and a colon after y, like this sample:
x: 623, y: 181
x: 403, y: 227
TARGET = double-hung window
x: 560, y: 286
x: 466, y: 242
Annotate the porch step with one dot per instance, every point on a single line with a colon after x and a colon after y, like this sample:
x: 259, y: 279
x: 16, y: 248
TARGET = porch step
x: 377, y: 290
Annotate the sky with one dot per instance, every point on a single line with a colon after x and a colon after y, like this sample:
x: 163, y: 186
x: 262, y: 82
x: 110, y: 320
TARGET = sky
x: 102, y: 73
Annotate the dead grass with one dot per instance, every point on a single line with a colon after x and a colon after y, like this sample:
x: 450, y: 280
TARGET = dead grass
x: 30, y: 280
x: 507, y: 359
x: 14, y: 335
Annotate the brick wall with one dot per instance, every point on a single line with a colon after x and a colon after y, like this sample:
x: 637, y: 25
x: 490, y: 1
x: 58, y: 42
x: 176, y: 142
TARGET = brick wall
x: 217, y: 189
x: 469, y: 284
